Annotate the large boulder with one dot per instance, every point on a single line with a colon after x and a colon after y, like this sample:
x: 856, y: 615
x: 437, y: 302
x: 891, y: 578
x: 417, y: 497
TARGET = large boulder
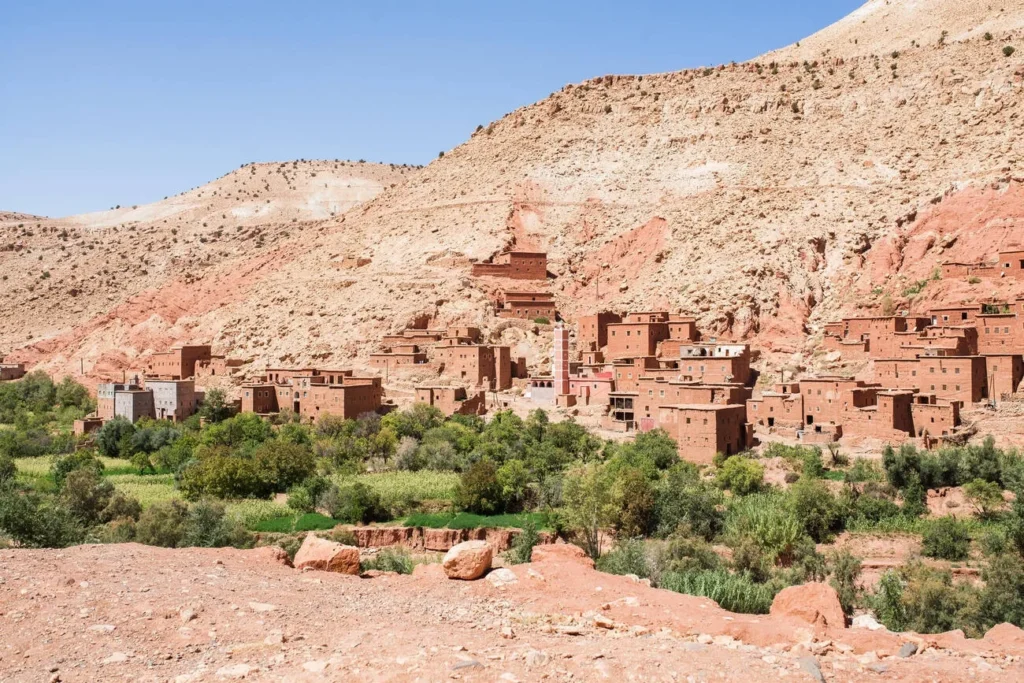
x: 560, y: 552
x: 328, y: 556
x: 815, y: 603
x: 1006, y: 637
x: 469, y: 560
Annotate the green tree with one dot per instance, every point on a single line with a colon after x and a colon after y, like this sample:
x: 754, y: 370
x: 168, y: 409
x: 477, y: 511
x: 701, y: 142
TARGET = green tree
x: 985, y: 496
x: 946, y: 539
x: 589, y: 505
x: 163, y: 524
x: 214, y: 407
x: 114, y: 438
x: 479, y: 489
x: 816, y: 507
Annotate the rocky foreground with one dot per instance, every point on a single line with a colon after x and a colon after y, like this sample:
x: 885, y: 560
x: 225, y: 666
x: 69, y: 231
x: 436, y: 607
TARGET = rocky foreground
x: 131, y: 612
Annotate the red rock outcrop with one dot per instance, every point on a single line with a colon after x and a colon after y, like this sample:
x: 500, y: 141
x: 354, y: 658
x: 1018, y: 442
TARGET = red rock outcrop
x: 815, y: 603
x: 321, y: 554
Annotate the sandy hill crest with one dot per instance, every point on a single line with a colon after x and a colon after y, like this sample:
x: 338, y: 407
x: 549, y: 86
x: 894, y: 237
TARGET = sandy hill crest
x: 764, y: 198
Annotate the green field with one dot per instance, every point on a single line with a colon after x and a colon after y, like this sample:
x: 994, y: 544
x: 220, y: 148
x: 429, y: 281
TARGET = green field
x: 402, y: 488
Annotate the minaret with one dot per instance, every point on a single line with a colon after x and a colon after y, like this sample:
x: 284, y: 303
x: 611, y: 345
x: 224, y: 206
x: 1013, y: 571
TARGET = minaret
x: 560, y: 366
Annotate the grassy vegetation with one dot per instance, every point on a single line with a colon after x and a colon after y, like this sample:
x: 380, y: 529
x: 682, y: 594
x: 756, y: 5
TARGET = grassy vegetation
x: 147, y: 489
x: 311, y: 521
x: 466, y: 520
x: 400, y: 488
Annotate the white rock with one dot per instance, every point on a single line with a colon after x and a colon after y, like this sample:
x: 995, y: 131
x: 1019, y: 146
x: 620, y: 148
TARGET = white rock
x: 502, y: 577
x: 315, y: 667
x: 234, y: 671
x: 116, y: 658
x: 261, y: 607
x: 102, y: 628
x: 866, y: 621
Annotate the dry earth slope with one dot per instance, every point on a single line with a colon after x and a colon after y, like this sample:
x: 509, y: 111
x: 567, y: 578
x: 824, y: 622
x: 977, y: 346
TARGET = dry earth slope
x: 764, y: 197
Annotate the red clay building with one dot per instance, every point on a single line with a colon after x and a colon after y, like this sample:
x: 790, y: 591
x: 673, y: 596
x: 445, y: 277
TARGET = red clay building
x: 517, y: 265
x: 11, y: 371
x: 777, y: 409
x: 527, y: 305
x: 178, y: 363
x: 630, y: 339
x: 453, y: 400
x: 954, y: 378
x: 1000, y: 333
x: 828, y: 399
x: 592, y: 330
x: 310, y: 394
x: 477, y: 365
x: 653, y: 394
x: 1005, y: 373
x: 702, y: 431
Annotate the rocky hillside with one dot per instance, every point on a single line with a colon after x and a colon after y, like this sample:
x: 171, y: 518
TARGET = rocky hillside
x: 765, y: 198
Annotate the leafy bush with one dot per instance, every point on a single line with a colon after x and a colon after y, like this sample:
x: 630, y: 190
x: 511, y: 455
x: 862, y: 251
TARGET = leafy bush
x: 79, y: 460
x: 628, y: 557
x: 389, y: 560
x: 352, y: 502
x: 589, y: 505
x: 844, y: 570
x: 114, y: 438
x: 8, y: 470
x: 684, y: 500
x: 305, y: 496
x: 763, y: 532
x: 946, y: 539
x: 36, y: 521
x: 922, y: 599
x: 523, y: 544
x: 207, y: 526
x: 86, y: 495
x: 542, y: 321
x: 985, y: 496
x: 740, y: 475
x: 814, y: 505
x: 162, y: 524
x: 479, y: 489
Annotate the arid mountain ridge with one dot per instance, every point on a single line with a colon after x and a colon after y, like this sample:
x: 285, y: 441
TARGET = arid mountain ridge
x: 766, y: 198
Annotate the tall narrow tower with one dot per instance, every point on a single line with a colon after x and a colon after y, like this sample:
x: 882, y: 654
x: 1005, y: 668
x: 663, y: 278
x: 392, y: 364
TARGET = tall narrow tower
x: 560, y: 366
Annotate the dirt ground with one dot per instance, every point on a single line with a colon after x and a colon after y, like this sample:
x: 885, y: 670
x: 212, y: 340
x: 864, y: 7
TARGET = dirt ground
x: 131, y: 612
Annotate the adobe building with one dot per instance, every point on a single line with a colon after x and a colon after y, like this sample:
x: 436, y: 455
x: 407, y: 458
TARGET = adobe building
x: 311, y: 393
x: 1004, y: 374
x: 654, y: 393
x: 702, y: 431
x: 11, y: 371
x: 516, y: 265
x: 592, y: 330
x: 716, y: 363
x: 216, y: 366
x: 452, y: 400
x: 87, y: 425
x: 933, y: 419
x: 638, y: 335
x: 954, y: 378
x: 1009, y: 264
x: 527, y: 305
x: 890, y: 418
x: 174, y: 399
x: 874, y: 335
x: 782, y: 407
x: 398, y: 356
x: 955, y: 315
x: 178, y: 363
x: 1000, y: 333
x: 477, y: 365
x: 826, y: 400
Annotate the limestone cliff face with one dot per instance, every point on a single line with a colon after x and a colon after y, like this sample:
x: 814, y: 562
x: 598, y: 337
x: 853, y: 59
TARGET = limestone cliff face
x: 765, y: 198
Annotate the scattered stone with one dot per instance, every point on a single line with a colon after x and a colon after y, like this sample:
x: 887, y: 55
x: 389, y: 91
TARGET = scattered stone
x: 274, y: 638
x: 536, y: 658
x: 467, y: 560
x: 867, y: 621
x: 810, y: 665
x: 467, y: 664
x: 322, y: 555
x: 234, y: 671
x: 502, y: 577
x: 103, y: 628
x: 262, y: 607
x: 602, y: 621
x: 116, y: 658
x: 315, y: 667
x: 507, y: 632
x: 908, y: 650
x: 187, y: 615
x: 705, y: 639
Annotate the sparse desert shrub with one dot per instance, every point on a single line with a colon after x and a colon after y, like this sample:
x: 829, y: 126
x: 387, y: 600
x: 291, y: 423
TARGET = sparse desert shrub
x: 390, y: 560
x: 522, y: 547
x: 1008, y: 50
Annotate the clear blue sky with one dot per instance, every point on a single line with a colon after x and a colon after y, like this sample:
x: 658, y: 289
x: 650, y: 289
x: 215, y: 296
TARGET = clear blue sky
x: 108, y: 103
